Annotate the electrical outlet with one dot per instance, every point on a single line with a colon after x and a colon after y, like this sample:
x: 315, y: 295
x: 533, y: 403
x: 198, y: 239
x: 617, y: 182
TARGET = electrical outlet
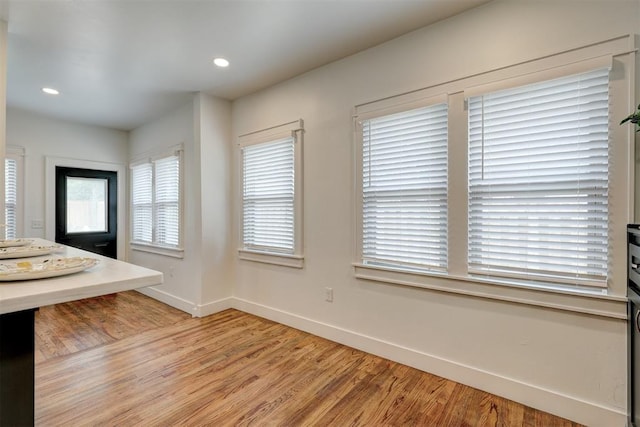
x: 328, y: 294
x: 37, y: 224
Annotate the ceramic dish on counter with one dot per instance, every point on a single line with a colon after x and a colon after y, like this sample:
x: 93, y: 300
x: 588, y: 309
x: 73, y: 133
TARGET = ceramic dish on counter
x: 54, y: 267
x: 10, y: 243
x: 27, y: 251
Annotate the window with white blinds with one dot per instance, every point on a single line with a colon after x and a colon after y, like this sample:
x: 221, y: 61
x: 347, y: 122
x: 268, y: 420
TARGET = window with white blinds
x: 538, y: 180
x: 142, y: 203
x: 10, y: 198
x: 268, y: 191
x: 167, y: 201
x: 156, y: 202
x: 271, y: 195
x: 404, y: 189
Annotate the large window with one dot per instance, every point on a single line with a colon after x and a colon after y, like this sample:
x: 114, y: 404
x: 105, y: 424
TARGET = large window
x: 404, y: 188
x: 518, y: 187
x: 156, y: 202
x: 271, y: 195
x: 538, y: 180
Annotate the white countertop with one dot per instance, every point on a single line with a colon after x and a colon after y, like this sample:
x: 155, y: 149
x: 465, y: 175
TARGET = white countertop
x: 108, y: 276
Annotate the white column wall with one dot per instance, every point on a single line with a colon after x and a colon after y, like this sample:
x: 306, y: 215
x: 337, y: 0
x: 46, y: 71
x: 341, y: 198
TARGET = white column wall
x: 213, y: 142
x: 181, y: 287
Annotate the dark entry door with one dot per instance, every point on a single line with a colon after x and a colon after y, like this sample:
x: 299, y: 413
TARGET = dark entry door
x: 87, y: 209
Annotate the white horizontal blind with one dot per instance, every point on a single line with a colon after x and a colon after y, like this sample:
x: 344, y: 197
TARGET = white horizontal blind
x: 538, y: 180
x: 142, y: 203
x: 167, y: 201
x: 268, y: 196
x: 11, y: 198
x: 404, y: 189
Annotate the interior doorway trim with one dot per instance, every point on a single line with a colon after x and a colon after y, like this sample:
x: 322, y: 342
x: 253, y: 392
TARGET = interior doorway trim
x: 50, y: 194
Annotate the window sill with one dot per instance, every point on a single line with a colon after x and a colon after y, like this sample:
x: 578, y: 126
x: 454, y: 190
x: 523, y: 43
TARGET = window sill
x: 294, y: 261
x: 595, y: 302
x: 158, y: 250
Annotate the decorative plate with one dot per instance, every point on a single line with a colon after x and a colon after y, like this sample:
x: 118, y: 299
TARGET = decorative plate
x: 26, y: 251
x: 25, y: 270
x: 14, y: 242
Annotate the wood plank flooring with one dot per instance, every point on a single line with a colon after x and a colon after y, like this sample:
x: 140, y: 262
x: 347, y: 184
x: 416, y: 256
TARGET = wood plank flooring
x: 68, y: 328
x: 127, y: 360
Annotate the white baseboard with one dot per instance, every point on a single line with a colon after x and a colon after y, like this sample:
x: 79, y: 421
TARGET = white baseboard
x: 568, y: 407
x: 187, y: 306
x: 214, y: 307
x: 169, y: 299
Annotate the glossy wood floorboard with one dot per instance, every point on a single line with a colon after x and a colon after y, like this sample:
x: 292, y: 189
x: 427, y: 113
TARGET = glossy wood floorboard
x: 127, y: 360
x: 67, y: 328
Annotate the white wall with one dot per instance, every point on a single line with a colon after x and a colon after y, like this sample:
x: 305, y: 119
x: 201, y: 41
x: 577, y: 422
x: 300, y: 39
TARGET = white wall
x: 563, y: 362
x: 181, y: 287
x: 213, y: 136
x: 201, y: 282
x: 43, y: 137
x: 3, y: 106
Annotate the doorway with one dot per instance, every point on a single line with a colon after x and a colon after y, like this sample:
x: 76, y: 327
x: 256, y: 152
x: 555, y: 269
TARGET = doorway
x: 86, y: 209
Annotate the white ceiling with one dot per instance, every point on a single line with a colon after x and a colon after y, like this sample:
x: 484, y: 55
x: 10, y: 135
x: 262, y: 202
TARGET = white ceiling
x: 120, y: 63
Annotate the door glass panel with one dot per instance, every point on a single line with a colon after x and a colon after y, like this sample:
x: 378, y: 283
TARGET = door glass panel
x: 86, y: 205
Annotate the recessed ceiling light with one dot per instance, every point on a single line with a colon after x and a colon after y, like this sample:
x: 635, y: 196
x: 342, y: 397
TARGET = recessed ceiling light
x: 50, y: 91
x: 221, y: 62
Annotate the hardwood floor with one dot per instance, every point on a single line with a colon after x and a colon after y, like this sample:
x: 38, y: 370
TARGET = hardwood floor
x: 78, y: 325
x: 128, y: 360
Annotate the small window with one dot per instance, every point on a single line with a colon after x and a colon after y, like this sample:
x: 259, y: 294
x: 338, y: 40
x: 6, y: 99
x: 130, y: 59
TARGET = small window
x: 11, y: 197
x: 142, y: 203
x: 13, y: 193
x: 403, y: 182
x: 87, y: 205
x: 539, y: 180
x: 268, y: 196
x: 156, y: 199
x: 271, y: 195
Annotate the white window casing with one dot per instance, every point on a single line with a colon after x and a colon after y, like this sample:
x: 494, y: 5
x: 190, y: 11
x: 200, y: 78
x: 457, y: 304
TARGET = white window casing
x: 271, y: 195
x: 595, y: 284
x: 156, y: 203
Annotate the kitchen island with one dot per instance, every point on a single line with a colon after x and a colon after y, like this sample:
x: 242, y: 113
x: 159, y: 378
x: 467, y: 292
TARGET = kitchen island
x: 19, y: 301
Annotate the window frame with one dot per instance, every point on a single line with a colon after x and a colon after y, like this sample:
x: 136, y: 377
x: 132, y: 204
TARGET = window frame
x: 154, y: 246
x: 609, y: 302
x: 295, y: 130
